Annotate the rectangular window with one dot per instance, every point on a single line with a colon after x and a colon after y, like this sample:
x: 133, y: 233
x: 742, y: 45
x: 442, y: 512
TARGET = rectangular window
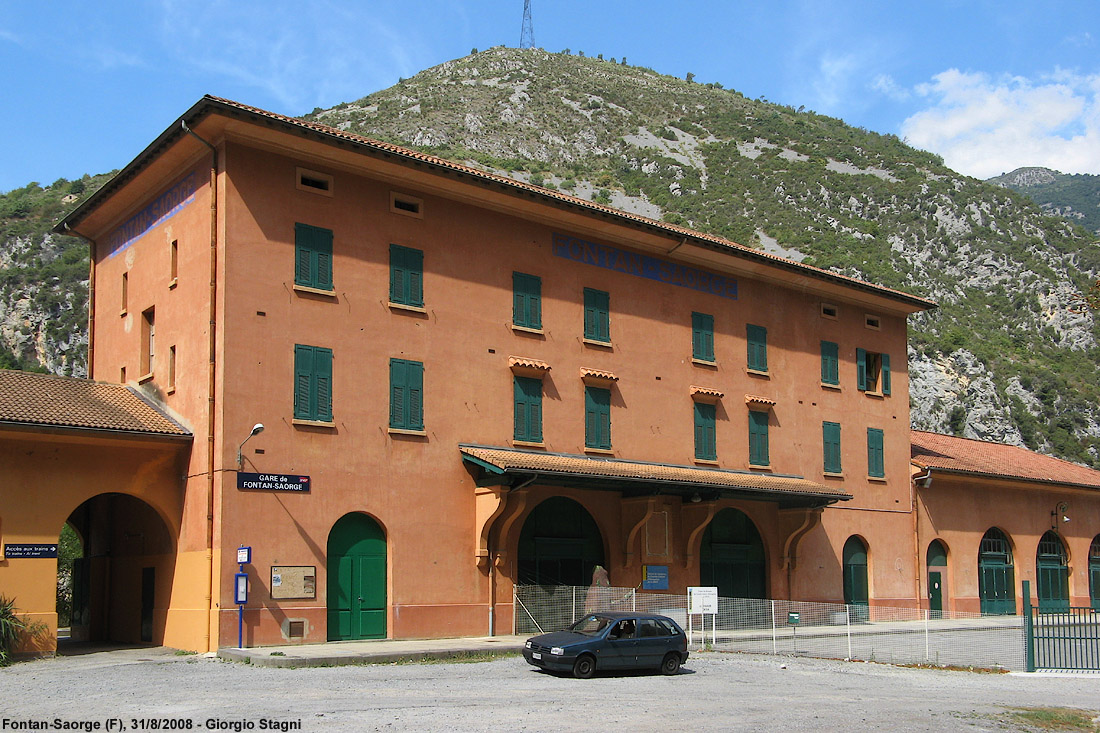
x: 830, y: 438
x: 758, y: 438
x: 873, y: 372
x: 597, y: 418
x: 406, y: 276
x: 125, y: 291
x: 758, y: 348
x: 702, y: 337
x: 526, y: 300
x: 597, y: 315
x: 406, y: 394
x: 830, y: 363
x: 312, y: 383
x: 313, y: 257
x: 528, y: 409
x: 173, y: 260
x: 706, y: 445
x: 172, y: 367
x: 148, y: 341
x: 876, y: 467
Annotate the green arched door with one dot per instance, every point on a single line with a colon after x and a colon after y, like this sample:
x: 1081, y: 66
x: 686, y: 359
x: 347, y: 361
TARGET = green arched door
x: 732, y: 557
x: 1052, y: 575
x: 996, y: 575
x: 559, y: 544
x: 1094, y: 573
x: 936, y: 561
x: 356, y: 579
x: 856, y: 588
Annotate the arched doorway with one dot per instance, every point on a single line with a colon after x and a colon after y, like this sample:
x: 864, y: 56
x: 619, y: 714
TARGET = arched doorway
x: 122, y: 585
x: 857, y: 590
x: 559, y: 544
x: 731, y: 557
x: 1052, y: 574
x: 70, y: 550
x: 996, y: 575
x: 936, y: 562
x: 1094, y: 572
x: 356, y: 579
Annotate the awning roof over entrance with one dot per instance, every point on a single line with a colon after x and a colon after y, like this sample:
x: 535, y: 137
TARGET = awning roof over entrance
x: 634, y: 478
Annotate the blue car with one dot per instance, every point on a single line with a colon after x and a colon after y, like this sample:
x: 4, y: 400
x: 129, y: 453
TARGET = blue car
x: 605, y: 641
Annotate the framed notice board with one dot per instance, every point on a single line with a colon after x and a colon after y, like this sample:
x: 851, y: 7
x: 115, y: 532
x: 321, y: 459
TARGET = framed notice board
x: 293, y: 581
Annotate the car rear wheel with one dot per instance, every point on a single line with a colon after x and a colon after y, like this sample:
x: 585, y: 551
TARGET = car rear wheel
x: 584, y: 667
x: 671, y: 663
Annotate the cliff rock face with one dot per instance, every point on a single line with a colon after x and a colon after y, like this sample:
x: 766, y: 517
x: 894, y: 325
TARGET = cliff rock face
x: 1003, y: 358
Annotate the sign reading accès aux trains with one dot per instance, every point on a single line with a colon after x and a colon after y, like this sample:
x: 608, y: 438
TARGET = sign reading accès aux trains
x: 37, y: 550
x: 273, y: 482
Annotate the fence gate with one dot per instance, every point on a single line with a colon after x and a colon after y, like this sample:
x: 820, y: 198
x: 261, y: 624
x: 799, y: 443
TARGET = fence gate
x: 1068, y: 639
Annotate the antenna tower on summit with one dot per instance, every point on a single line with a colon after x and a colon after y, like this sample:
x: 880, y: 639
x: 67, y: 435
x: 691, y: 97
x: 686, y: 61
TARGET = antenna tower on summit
x: 527, y: 33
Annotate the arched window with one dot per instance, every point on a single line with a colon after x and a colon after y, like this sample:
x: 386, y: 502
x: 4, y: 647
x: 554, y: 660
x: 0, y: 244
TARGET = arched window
x: 1094, y: 572
x: 732, y: 556
x: 1052, y: 574
x: 996, y: 575
x: 856, y: 588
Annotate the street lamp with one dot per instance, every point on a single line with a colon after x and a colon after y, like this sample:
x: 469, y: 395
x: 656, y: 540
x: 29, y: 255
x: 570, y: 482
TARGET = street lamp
x: 256, y: 430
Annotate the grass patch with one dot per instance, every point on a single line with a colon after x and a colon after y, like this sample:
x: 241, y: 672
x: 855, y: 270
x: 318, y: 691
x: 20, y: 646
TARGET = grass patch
x: 454, y: 658
x: 185, y: 653
x: 956, y: 668
x: 1068, y: 719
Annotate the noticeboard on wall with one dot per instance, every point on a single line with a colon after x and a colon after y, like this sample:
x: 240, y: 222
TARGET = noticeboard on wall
x: 293, y: 581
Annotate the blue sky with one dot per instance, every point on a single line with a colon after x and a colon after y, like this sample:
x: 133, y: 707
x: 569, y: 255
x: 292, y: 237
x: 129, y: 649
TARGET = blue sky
x: 990, y: 86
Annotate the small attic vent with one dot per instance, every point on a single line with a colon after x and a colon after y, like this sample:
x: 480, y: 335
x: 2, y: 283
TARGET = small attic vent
x: 407, y: 205
x: 315, y: 182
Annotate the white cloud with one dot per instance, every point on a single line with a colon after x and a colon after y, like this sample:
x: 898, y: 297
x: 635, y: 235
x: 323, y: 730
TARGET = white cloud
x: 885, y: 84
x: 985, y: 126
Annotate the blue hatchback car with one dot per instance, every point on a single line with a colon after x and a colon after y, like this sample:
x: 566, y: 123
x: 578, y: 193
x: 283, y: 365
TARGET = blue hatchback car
x: 605, y: 641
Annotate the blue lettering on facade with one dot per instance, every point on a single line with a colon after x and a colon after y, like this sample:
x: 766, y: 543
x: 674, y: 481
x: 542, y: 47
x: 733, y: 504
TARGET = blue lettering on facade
x: 163, y: 208
x: 638, y: 265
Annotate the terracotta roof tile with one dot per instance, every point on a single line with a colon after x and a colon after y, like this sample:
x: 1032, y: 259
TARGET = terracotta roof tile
x: 963, y: 455
x: 706, y: 394
x: 598, y: 375
x: 50, y: 401
x: 523, y: 363
x: 508, y: 460
x: 752, y: 399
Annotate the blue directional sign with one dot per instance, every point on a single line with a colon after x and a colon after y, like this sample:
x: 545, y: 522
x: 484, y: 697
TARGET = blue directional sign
x: 32, y: 550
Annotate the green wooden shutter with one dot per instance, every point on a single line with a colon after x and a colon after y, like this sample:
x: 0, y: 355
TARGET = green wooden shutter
x: 397, y: 274
x: 528, y: 409
x: 597, y: 418
x: 303, y: 268
x: 702, y: 336
x: 758, y: 347
x: 322, y: 252
x: 406, y: 275
x: 313, y: 256
x: 830, y: 436
x: 875, y: 463
x: 526, y: 300
x: 861, y: 369
x: 885, y: 373
x: 303, y: 369
x: 414, y: 264
x: 597, y: 315
x: 406, y: 394
x: 758, y: 438
x: 830, y: 363
x: 322, y: 379
x: 706, y: 447
x: 397, y: 393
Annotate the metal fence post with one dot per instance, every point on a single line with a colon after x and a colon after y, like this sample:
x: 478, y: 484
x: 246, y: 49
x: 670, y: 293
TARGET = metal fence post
x: 573, y: 607
x: 634, y: 600
x: 775, y: 649
x: 927, y: 612
x: 1029, y: 628
x: 848, y: 625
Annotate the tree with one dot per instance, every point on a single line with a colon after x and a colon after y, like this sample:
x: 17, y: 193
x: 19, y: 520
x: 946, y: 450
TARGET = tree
x: 690, y: 77
x: 1087, y: 301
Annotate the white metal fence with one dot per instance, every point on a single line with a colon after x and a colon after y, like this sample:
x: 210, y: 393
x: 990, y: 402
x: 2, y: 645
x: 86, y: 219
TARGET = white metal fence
x: 826, y: 630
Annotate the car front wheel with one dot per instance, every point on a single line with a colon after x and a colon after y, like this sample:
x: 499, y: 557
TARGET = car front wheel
x: 584, y: 667
x: 671, y: 663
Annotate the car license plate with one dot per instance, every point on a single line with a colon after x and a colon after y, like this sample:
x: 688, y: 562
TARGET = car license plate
x: 536, y: 655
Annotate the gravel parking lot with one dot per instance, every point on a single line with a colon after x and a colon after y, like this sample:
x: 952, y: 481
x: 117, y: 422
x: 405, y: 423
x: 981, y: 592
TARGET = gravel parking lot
x: 137, y: 689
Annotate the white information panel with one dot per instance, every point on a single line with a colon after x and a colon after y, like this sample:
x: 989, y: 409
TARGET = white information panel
x: 702, y: 599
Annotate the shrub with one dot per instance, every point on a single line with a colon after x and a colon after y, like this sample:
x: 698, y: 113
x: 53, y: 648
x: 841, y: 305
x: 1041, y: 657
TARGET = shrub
x: 11, y: 629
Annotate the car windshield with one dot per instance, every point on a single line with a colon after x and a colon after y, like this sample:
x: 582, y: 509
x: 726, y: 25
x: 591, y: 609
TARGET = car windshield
x: 590, y: 625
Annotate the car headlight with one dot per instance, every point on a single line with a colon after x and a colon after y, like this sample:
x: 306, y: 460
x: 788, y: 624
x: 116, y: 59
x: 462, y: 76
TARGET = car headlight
x: 527, y: 644
x: 557, y: 651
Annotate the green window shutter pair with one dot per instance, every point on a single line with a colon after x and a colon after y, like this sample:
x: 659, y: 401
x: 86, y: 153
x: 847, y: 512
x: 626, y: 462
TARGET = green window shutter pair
x: 830, y: 363
x: 830, y: 438
x: 758, y: 348
x: 406, y: 394
x: 526, y: 300
x: 528, y: 409
x: 313, y: 257
x: 865, y: 377
x: 702, y: 336
x: 406, y: 275
x: 875, y: 463
x: 758, y: 438
x: 312, y: 383
x: 597, y: 418
x: 597, y: 315
x: 706, y: 443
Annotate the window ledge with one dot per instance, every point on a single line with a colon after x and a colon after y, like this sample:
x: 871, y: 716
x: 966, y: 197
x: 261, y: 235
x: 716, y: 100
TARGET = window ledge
x: 599, y: 451
x: 760, y: 466
x: 172, y: 285
x: 529, y: 443
x: 528, y: 329
x: 834, y: 387
x: 704, y: 362
x: 170, y: 390
x: 877, y: 479
x: 832, y: 474
x: 405, y: 307
x: 122, y: 313
x: 145, y: 378
x: 758, y: 373
x: 315, y: 291
x: 404, y: 431
x: 876, y: 395
x: 706, y: 462
x: 313, y: 423
x: 600, y: 344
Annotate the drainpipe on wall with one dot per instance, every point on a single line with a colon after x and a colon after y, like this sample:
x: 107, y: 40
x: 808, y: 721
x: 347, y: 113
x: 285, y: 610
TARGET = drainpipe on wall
x: 212, y: 592
x: 927, y: 479
x: 91, y: 296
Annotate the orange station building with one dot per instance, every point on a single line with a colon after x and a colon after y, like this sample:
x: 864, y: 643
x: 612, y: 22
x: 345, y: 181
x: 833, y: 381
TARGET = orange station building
x: 464, y: 383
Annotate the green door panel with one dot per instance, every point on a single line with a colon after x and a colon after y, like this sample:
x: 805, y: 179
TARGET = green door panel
x: 356, y: 579
x: 935, y: 593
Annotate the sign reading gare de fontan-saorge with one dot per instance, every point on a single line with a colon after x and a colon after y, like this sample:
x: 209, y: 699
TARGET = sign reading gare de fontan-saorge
x: 273, y: 482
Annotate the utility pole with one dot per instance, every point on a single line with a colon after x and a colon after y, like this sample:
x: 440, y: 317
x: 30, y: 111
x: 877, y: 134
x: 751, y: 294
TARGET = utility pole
x: 527, y: 33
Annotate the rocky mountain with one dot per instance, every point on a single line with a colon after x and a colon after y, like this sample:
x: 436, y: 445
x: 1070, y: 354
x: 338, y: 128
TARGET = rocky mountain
x: 1072, y: 196
x: 1003, y: 358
